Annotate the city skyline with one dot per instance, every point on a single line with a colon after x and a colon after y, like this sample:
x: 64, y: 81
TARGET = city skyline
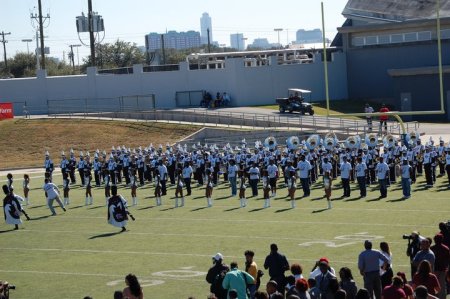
x: 140, y: 18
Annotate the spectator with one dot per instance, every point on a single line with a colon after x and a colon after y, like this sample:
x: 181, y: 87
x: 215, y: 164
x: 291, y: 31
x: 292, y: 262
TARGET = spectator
x: 362, y: 294
x: 316, y: 270
x: 442, y: 260
x: 426, y: 278
x: 296, y: 271
x: 424, y: 254
x: 218, y: 100
x: 252, y: 269
x: 277, y: 265
x: 445, y: 231
x: 118, y: 295
x: 216, y: 275
x: 302, y: 288
x: 226, y: 101
x: 272, y: 289
x: 290, y: 286
x: 324, y: 278
x: 314, y: 292
x: 368, y: 109
x: 384, y: 118
x: 261, y: 295
x: 395, y: 290
x: 237, y: 280
x: 133, y: 289
x: 347, y: 283
x: 368, y: 264
x: 421, y: 293
x: 406, y: 287
x: 386, y: 274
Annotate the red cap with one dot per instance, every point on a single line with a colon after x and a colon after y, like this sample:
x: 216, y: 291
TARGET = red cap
x: 324, y: 259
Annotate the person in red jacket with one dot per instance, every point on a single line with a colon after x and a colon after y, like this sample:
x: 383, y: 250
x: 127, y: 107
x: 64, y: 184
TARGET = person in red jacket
x: 383, y: 118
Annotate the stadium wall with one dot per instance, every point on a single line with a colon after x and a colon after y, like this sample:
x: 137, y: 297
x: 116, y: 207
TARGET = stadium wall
x: 247, y: 86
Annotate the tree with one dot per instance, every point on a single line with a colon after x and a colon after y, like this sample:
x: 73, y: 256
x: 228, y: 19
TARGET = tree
x: 117, y: 55
x: 22, y: 65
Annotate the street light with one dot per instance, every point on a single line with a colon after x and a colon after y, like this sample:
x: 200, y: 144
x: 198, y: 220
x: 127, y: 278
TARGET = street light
x: 27, y: 41
x: 278, y: 30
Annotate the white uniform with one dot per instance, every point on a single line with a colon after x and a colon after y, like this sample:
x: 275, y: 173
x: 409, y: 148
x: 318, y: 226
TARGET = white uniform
x: 117, y: 211
x: 12, y: 208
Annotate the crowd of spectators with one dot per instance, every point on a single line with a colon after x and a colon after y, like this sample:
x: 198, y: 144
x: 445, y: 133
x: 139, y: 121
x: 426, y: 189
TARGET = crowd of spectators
x: 221, y: 100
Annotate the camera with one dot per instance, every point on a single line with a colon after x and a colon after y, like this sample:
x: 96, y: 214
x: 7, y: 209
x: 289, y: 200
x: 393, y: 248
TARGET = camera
x: 408, y: 237
x: 11, y: 287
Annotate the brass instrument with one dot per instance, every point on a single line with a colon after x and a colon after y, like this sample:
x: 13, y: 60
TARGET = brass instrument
x: 412, y: 137
x: 371, y: 140
x: 270, y: 142
x: 293, y: 142
x: 353, y: 142
x: 330, y: 141
x: 312, y: 142
x: 389, y: 141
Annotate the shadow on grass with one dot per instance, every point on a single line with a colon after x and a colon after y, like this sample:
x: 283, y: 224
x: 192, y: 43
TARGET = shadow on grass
x: 374, y: 199
x: 146, y: 208
x: 7, y: 231
x: 320, y: 211
x: 198, y: 197
x: 198, y: 209
x: 223, y: 197
x: 35, y: 207
x: 96, y: 207
x: 396, y: 200
x: 39, y: 218
x: 106, y: 235
x: 167, y: 209
x: 256, y: 210
x: 317, y: 198
x: 77, y: 207
x: 283, y: 210
x: 353, y: 199
x: 232, y: 209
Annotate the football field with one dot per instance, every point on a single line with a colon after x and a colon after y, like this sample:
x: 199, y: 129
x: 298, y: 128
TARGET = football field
x: 77, y: 253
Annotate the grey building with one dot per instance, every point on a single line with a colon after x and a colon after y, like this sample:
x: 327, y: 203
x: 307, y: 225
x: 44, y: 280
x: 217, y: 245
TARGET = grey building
x: 392, y: 53
x: 308, y: 36
x: 205, y: 25
x: 173, y: 40
x: 237, y: 41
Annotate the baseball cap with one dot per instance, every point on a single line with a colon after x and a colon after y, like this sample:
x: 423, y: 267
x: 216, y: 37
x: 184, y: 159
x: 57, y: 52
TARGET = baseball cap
x: 324, y: 260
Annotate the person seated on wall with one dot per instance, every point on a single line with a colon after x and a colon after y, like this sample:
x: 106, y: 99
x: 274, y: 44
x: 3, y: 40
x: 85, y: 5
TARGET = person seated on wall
x: 218, y: 100
x: 206, y: 101
x: 226, y: 100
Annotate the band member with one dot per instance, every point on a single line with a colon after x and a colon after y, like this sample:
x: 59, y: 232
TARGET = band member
x: 209, y: 187
x: 232, y: 176
x: 97, y: 165
x: 304, y: 168
x: 441, y: 157
x: 406, y: 179
x: 118, y: 210
x: 158, y: 188
x: 133, y: 184
x: 162, y: 170
x: 66, y: 187
x: 52, y: 192
x: 64, y: 164
x: 48, y: 165
x: 447, y: 162
x: 346, y: 169
x: 272, y: 171
x: 427, y: 165
x: 87, y: 184
x: 254, y: 178
x: 72, y: 165
x: 126, y: 170
x: 112, y: 170
x: 327, y: 183
x: 11, y: 208
x: 242, y: 187
x: 292, y: 186
x: 141, y: 169
x: 26, y: 188
x: 80, y: 167
x: 107, y: 178
x: 266, y: 188
x: 187, y: 173
x: 361, y: 173
x: 179, y: 187
x: 382, y: 171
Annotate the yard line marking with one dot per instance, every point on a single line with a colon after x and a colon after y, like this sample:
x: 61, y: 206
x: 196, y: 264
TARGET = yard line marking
x: 164, y: 254
x: 185, y: 235
x: 89, y: 274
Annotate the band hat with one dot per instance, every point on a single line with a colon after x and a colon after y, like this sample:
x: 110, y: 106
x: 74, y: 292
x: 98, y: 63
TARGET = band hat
x: 218, y: 256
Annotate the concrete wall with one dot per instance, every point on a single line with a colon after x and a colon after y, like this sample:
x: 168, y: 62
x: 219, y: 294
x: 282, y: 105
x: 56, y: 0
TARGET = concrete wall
x: 246, y: 85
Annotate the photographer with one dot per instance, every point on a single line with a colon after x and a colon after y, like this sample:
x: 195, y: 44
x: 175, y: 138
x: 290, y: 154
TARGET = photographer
x: 413, y: 247
x: 4, y: 289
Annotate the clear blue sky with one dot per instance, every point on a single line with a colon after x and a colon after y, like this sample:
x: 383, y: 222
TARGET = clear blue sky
x: 130, y: 20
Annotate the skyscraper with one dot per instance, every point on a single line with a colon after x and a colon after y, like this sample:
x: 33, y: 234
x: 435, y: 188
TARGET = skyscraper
x: 205, y: 24
x: 237, y: 41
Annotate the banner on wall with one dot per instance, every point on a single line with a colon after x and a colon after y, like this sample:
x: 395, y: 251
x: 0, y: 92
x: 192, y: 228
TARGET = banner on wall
x: 6, y: 110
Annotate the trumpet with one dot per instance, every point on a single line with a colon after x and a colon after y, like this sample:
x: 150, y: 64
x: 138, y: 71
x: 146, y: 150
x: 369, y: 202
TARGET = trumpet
x: 313, y: 141
x: 412, y: 137
x: 293, y: 142
x: 270, y: 142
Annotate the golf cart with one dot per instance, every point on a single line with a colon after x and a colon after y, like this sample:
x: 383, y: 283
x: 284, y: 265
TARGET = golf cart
x: 296, y: 102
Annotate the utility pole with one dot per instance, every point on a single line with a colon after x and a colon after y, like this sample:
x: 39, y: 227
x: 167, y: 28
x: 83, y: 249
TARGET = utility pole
x: 278, y: 30
x: 4, y: 46
x: 91, y: 32
x: 209, y: 41
x: 28, y: 40
x: 41, y: 32
x: 163, y: 49
x: 71, y: 56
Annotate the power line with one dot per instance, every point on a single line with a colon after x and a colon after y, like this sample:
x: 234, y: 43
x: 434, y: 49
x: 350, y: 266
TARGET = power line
x: 4, y: 46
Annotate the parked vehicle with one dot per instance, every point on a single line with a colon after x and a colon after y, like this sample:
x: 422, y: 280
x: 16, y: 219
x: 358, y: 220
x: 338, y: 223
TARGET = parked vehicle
x: 296, y: 102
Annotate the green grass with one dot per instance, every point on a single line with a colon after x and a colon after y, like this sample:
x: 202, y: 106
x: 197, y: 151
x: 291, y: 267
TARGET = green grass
x: 74, y: 254
x: 336, y: 107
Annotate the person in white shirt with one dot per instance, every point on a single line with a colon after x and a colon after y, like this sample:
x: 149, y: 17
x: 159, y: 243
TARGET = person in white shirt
x: 187, y: 173
x: 369, y: 109
x: 232, y: 173
x: 254, y: 178
x: 406, y: 179
x: 163, y: 175
x: 304, y: 168
x: 447, y: 162
x: 292, y: 187
x: 272, y: 171
x: 361, y: 173
x: 345, y: 168
x: 382, y: 171
x: 52, y: 193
